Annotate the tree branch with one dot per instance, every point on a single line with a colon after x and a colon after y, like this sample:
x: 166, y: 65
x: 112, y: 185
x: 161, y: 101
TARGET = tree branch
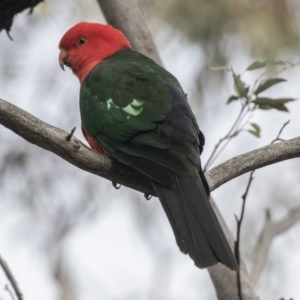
x: 75, y: 152
x: 252, y: 160
x: 11, y: 279
x: 225, y: 280
x: 270, y: 230
x: 128, y: 17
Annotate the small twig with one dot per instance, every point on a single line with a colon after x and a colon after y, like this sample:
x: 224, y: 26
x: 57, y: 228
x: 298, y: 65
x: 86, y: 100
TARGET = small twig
x: 288, y: 66
x: 69, y: 136
x: 236, y: 128
x: 279, y: 133
x: 10, y: 292
x: 11, y: 278
x: 229, y: 135
x: 238, y: 235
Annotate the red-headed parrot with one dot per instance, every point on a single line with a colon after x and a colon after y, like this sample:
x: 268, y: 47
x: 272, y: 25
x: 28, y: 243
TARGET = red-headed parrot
x: 136, y: 112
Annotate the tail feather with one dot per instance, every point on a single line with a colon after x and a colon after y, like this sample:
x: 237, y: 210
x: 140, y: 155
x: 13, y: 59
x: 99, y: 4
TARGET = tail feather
x: 194, y: 223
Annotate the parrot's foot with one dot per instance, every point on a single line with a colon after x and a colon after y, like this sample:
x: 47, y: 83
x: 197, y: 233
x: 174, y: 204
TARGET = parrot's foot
x: 69, y: 136
x: 116, y: 185
x: 147, y: 196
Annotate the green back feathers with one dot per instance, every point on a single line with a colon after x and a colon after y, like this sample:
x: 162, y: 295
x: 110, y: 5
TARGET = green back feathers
x: 125, y: 90
x: 139, y: 114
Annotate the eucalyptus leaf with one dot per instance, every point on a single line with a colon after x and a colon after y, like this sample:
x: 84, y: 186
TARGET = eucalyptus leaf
x: 269, y: 103
x: 232, y: 98
x: 256, y: 128
x: 267, y: 84
x: 240, y: 86
x: 285, y: 100
x: 257, y: 65
x: 256, y: 134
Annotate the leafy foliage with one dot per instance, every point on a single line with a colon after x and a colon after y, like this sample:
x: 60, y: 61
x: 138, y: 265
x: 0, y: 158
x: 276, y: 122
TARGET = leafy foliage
x: 251, y: 100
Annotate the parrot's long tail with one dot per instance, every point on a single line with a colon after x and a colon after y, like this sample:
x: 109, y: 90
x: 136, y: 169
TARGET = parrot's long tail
x: 194, y: 223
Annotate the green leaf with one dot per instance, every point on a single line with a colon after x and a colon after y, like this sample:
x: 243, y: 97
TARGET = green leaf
x: 256, y: 129
x: 269, y: 103
x: 261, y: 64
x: 240, y: 86
x: 257, y: 65
x: 285, y: 100
x: 256, y: 134
x: 267, y: 84
x: 232, y: 98
x: 220, y: 68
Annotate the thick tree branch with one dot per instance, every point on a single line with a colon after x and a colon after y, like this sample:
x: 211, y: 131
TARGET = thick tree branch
x: 128, y: 17
x: 252, y: 160
x: 75, y: 152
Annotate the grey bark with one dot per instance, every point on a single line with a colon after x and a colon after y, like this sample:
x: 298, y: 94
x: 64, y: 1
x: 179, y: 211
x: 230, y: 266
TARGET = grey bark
x: 128, y: 17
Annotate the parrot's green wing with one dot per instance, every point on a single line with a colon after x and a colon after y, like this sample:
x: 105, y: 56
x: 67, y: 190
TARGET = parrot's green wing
x: 135, y: 110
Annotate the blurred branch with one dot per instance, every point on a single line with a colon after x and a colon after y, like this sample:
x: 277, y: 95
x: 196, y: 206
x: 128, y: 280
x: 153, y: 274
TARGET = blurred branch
x: 64, y: 278
x: 128, y: 17
x: 269, y: 231
x: 11, y: 278
x: 10, y: 292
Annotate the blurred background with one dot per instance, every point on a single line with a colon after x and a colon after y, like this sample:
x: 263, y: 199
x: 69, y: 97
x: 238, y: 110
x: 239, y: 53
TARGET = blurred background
x: 70, y: 235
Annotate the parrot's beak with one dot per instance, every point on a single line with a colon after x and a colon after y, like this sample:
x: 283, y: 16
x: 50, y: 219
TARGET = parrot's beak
x: 63, y: 61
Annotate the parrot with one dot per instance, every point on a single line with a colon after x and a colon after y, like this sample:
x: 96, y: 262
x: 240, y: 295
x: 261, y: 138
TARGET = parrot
x: 136, y: 112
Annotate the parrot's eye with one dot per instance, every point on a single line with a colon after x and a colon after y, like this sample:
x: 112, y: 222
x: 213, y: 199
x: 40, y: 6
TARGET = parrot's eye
x: 81, y: 41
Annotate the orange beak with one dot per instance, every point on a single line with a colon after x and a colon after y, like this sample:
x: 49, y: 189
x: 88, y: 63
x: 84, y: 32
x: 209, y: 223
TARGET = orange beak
x: 63, y: 59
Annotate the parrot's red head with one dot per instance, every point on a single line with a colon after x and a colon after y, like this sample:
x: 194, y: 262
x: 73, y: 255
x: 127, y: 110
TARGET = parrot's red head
x: 86, y: 44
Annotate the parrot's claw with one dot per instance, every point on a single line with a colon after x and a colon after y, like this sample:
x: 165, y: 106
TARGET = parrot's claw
x: 116, y: 185
x: 147, y: 196
x: 69, y: 136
